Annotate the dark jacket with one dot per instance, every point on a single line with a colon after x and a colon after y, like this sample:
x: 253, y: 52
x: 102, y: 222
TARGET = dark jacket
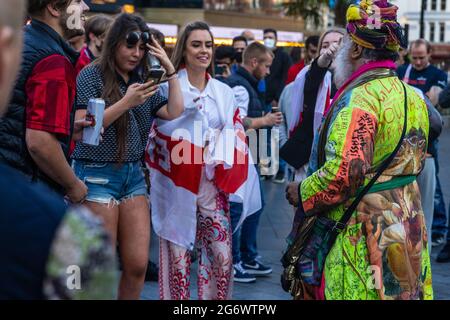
x: 444, y: 98
x: 314, y: 79
x: 436, y: 123
x: 256, y: 104
x: 40, y: 42
x: 243, y: 78
x: 29, y: 218
x: 275, y: 82
x: 297, y: 149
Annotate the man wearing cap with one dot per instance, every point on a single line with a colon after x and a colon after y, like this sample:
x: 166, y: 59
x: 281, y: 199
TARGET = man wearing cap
x: 381, y: 253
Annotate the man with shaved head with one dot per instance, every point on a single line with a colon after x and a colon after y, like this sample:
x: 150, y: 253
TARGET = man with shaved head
x: 48, y: 251
x: 250, y: 36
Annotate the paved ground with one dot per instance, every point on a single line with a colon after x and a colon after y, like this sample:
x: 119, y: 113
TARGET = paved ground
x: 441, y: 271
x: 275, y: 225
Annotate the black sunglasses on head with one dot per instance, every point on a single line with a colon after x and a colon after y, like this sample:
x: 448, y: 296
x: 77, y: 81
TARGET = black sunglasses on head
x: 134, y: 37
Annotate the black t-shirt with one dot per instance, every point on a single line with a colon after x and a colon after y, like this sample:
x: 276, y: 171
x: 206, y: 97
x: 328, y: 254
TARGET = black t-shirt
x: 90, y: 85
x: 424, y: 79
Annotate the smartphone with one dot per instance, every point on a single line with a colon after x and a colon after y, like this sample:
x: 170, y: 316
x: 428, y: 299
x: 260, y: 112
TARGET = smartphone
x: 153, y: 62
x: 155, y: 75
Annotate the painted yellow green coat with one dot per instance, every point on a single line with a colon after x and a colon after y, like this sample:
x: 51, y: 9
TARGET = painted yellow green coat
x: 382, y: 254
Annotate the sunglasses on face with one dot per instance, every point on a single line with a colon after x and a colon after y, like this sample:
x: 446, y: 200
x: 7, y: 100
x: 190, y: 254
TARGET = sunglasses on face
x: 134, y: 37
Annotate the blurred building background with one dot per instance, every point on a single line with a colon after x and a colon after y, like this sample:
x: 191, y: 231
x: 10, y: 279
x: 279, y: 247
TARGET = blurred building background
x: 437, y: 19
x: 228, y: 18
x: 294, y: 19
x: 436, y: 25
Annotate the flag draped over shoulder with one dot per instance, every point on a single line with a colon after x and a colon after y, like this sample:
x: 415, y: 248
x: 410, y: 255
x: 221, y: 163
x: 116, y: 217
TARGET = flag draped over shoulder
x: 177, y: 156
x: 322, y: 103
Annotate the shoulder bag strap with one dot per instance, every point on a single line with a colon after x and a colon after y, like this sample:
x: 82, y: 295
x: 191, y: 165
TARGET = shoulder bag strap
x: 340, y: 225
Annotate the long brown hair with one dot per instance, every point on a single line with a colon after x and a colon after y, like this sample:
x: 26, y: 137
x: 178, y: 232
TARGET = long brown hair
x: 177, y: 58
x: 327, y: 32
x: 122, y: 26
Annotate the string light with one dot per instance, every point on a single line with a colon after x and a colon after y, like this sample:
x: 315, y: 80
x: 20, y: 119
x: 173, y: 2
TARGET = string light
x: 229, y: 42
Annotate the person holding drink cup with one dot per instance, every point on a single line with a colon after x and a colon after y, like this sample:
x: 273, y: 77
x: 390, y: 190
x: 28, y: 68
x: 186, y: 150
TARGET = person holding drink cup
x: 113, y: 169
x: 257, y: 60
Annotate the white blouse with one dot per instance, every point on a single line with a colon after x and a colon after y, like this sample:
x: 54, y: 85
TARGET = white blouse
x: 205, y: 101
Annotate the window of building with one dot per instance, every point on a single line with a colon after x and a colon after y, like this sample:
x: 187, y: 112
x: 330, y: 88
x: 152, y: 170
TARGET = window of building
x: 443, y: 5
x: 432, y: 32
x: 433, y: 5
x: 442, y: 32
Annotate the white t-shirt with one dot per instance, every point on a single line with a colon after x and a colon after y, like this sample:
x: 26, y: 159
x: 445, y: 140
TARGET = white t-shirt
x: 242, y: 99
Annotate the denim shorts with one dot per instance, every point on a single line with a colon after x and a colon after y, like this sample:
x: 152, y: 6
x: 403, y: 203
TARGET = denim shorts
x: 111, y: 182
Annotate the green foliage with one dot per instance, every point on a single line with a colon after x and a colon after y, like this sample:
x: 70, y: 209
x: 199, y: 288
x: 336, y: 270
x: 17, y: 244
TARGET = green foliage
x: 311, y: 10
x: 308, y: 10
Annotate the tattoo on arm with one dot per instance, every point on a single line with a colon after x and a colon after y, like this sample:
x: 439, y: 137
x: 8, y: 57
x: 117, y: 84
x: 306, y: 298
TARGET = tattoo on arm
x: 247, y: 123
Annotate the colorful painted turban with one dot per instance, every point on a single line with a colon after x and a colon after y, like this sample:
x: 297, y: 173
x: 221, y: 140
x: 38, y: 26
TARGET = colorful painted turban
x: 373, y: 25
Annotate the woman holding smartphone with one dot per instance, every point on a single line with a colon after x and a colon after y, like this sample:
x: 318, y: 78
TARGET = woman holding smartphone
x: 189, y: 203
x: 113, y: 170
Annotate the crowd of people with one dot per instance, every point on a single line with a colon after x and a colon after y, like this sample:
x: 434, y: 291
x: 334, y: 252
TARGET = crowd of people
x: 177, y: 155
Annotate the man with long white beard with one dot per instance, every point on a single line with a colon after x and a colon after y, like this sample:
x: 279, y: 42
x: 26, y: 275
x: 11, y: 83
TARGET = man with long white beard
x: 380, y: 251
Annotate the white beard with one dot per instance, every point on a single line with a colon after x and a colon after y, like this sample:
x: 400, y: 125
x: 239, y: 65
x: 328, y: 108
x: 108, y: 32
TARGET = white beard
x: 343, y: 65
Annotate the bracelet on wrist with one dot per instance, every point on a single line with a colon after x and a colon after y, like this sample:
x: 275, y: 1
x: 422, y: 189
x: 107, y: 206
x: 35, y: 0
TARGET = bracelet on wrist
x: 175, y: 76
x: 171, y: 74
